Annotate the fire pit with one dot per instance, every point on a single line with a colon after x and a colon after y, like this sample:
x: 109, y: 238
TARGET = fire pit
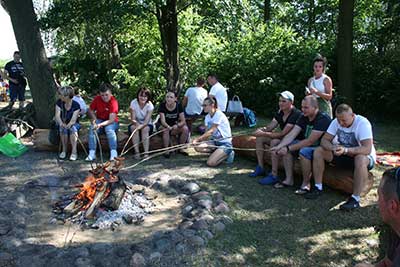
x: 104, y: 200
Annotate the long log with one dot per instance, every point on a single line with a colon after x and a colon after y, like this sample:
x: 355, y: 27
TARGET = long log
x: 337, y: 178
x: 41, y: 141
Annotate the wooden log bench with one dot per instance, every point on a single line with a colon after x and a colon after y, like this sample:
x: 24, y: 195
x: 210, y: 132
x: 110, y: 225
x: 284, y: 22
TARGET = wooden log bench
x: 337, y: 178
x: 41, y: 141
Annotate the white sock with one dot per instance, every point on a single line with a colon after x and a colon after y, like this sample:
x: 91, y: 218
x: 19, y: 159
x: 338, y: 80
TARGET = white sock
x: 319, y: 186
x: 357, y: 198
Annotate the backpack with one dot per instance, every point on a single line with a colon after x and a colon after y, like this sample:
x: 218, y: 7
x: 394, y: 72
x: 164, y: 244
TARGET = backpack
x: 249, y: 117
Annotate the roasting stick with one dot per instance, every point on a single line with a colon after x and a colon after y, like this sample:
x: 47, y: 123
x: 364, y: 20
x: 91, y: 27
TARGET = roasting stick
x: 127, y: 142
x: 99, y: 145
x: 150, y: 136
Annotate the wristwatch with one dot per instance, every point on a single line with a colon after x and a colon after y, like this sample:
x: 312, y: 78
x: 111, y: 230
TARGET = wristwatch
x: 346, y: 150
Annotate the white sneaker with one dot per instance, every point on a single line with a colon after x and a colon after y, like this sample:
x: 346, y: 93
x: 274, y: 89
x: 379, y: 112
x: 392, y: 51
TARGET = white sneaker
x: 73, y: 157
x: 91, y: 156
x: 113, y: 154
x: 62, y: 155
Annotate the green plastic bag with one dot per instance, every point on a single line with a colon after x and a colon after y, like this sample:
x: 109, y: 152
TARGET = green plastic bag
x: 11, y: 146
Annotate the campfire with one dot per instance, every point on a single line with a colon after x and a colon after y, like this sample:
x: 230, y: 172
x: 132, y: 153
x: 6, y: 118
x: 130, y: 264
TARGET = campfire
x: 104, y: 200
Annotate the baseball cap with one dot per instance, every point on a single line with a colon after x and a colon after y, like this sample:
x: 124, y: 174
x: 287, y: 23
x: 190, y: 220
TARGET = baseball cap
x: 287, y: 95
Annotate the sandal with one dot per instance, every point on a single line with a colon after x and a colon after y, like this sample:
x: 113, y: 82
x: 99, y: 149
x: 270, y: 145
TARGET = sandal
x: 280, y: 185
x: 302, y: 191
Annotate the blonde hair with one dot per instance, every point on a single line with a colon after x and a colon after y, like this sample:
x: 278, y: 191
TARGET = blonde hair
x: 67, y: 91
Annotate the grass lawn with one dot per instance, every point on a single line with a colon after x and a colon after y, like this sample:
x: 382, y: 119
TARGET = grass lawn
x: 274, y: 227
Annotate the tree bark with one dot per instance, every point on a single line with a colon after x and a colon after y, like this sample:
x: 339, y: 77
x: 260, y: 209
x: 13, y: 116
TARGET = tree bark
x: 33, y: 54
x: 267, y: 11
x: 167, y: 18
x: 345, y: 49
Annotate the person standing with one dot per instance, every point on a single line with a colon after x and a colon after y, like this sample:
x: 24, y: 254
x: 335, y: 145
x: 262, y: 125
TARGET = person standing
x: 192, y: 102
x: 103, y: 115
x: 320, y: 85
x: 14, y: 72
x: 218, y: 92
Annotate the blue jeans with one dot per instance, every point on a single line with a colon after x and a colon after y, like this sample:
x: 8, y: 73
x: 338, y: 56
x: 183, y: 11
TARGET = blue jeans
x: 110, y: 131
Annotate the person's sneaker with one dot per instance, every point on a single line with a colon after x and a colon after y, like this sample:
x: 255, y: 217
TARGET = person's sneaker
x: 270, y: 179
x: 231, y: 157
x: 350, y: 204
x: 91, y: 156
x: 73, y: 157
x: 259, y: 171
x: 113, y: 154
x: 314, y: 194
x: 62, y: 155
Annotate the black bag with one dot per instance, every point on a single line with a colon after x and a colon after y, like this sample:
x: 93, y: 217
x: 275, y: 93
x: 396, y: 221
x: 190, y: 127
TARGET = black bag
x: 54, y: 134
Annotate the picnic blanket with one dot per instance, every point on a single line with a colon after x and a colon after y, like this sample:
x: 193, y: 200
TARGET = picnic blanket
x: 388, y: 159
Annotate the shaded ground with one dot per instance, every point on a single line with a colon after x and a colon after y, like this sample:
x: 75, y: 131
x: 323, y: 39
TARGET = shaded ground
x: 270, y: 227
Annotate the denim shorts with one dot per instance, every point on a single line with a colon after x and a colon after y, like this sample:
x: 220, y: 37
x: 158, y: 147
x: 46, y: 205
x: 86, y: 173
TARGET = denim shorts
x: 307, y: 152
x: 151, y: 126
x: 74, y: 129
x: 226, y: 146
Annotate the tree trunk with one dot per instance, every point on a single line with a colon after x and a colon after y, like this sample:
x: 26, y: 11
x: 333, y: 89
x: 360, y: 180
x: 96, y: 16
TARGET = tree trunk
x: 167, y: 18
x: 345, y: 49
x: 115, y: 55
x: 33, y: 54
x: 311, y: 18
x: 267, y: 11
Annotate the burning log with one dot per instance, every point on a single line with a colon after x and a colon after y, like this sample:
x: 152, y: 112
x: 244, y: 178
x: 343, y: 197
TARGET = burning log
x: 337, y: 178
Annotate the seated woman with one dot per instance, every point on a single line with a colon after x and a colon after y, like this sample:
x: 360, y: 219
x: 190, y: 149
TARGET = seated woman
x: 141, y: 109
x: 219, y: 129
x: 67, y: 114
x: 172, y: 120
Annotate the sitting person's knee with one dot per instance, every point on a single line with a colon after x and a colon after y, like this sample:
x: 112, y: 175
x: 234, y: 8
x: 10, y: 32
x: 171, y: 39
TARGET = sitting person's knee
x: 361, y: 160
x: 275, y: 142
x: 306, y: 153
x: 211, y: 163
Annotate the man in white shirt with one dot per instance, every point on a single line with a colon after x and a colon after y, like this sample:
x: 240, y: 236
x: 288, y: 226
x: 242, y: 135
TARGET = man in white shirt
x: 354, y: 148
x: 193, y: 101
x: 218, y: 91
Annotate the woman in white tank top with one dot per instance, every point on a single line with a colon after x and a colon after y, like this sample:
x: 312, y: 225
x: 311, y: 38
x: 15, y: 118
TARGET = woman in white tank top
x: 320, y: 85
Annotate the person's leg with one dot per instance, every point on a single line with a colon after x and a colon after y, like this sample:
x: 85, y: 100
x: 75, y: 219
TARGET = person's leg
x: 183, y: 134
x: 361, y: 163
x: 112, y: 139
x: 306, y: 157
x: 288, y: 164
x: 73, y: 137
x: 274, y: 158
x: 217, y: 157
x: 135, y: 140
x: 166, y: 137
x: 13, y: 94
x: 145, y: 139
x: 64, y: 142
x: 21, y: 96
x: 320, y: 157
x: 260, y: 142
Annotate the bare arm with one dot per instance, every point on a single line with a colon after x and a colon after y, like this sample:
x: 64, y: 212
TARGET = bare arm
x: 266, y: 131
x: 327, y: 95
x: 207, y: 134
x: 364, y: 149
x: 288, y: 138
x: 111, y: 119
x: 58, y: 116
x: 147, y: 118
x: 163, y: 122
x: 281, y: 134
x: 314, y: 136
x: 326, y: 142
x: 184, y: 101
x: 73, y: 119
x: 133, y: 116
x: 182, y: 121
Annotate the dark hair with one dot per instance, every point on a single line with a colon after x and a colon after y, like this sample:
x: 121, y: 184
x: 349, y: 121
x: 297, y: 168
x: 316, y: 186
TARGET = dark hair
x: 211, y: 100
x: 104, y: 87
x: 211, y: 74
x: 322, y: 59
x: 200, y: 81
x: 343, y: 108
x: 16, y: 53
x: 144, y: 91
x: 172, y: 91
x: 391, y: 183
x: 67, y: 91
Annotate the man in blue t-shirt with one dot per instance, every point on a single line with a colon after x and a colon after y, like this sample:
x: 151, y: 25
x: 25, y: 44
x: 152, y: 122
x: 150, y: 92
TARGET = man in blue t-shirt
x: 302, y: 140
x: 14, y: 71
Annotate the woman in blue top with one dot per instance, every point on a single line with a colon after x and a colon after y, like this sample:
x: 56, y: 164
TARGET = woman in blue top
x: 67, y: 114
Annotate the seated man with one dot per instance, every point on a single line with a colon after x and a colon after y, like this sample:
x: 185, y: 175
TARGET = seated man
x: 389, y: 207
x: 285, y: 118
x: 302, y: 139
x: 193, y: 101
x: 103, y: 116
x: 354, y: 149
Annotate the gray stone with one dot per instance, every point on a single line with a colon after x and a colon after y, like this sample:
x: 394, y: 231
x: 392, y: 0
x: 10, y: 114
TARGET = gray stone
x: 207, y: 235
x: 196, y: 241
x: 185, y: 225
x: 6, y: 259
x: 187, y: 209
x: 191, y: 188
x: 122, y: 251
x: 188, y: 233
x: 183, y: 197
x: 180, y: 248
x: 143, y: 181
x: 4, y: 227
x: 205, y: 203
x: 155, y: 257
x: 100, y: 249
x: 217, y: 196
x: 218, y: 227
x: 221, y: 208
x: 200, y: 195
x: 163, y: 244
x: 171, y: 192
x: 81, y: 252
x: 200, y: 225
x: 226, y: 219
x: 207, y: 217
x: 137, y: 260
x: 175, y: 237
x: 83, y: 262
x: 177, y: 183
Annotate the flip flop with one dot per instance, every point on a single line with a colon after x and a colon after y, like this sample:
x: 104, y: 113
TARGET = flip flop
x: 302, y: 191
x: 280, y: 185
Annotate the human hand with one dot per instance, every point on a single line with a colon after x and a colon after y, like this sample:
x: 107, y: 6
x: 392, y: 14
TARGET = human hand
x: 313, y: 90
x: 95, y: 126
x: 338, y: 150
x: 259, y: 133
x: 282, y: 151
x: 175, y: 127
